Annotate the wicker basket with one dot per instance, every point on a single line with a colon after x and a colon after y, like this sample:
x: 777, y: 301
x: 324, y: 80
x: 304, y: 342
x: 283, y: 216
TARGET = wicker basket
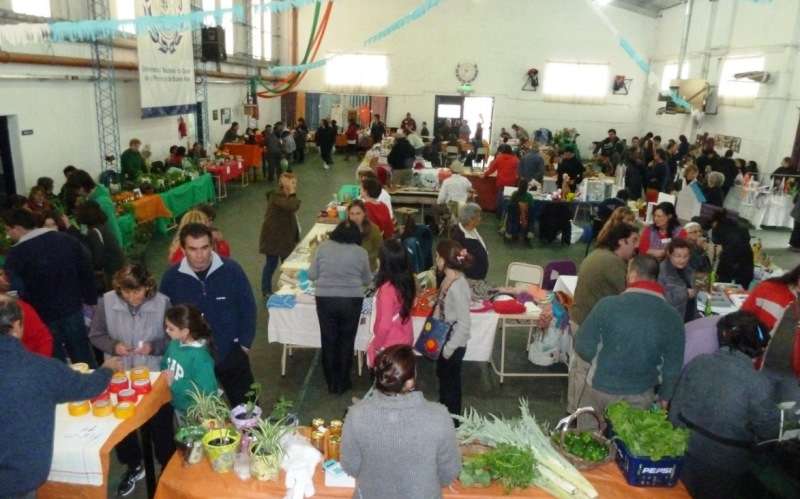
x: 563, y: 428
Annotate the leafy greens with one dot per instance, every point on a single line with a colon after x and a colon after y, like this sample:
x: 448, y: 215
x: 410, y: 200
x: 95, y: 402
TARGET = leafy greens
x: 647, y: 433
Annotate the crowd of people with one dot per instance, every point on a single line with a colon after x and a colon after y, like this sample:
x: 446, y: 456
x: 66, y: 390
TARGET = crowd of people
x: 198, y: 324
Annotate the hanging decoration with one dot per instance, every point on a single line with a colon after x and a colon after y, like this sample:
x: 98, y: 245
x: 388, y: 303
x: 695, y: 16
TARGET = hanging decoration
x: 297, y: 68
x: 92, y: 29
x: 415, y: 14
x: 680, y: 101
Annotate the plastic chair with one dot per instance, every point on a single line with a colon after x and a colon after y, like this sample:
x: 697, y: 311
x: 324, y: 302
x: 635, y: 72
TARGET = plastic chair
x: 557, y: 268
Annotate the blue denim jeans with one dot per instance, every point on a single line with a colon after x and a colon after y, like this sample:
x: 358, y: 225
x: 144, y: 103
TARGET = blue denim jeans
x: 70, y: 339
x: 266, y: 274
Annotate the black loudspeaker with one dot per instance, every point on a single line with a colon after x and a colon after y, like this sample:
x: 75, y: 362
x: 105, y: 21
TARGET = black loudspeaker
x: 214, y: 44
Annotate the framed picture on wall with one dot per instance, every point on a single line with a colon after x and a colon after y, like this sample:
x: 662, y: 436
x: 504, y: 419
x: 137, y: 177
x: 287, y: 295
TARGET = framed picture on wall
x: 214, y: 115
x: 225, y: 115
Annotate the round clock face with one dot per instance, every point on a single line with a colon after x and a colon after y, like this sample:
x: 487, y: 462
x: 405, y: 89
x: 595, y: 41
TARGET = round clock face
x: 466, y: 72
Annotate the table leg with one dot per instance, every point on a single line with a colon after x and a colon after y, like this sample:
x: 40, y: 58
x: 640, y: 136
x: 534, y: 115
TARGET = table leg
x: 502, y: 350
x: 145, y: 435
x: 283, y: 361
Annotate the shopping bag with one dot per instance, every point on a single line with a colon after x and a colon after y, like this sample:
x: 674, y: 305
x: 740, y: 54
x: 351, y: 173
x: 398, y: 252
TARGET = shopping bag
x: 434, y: 335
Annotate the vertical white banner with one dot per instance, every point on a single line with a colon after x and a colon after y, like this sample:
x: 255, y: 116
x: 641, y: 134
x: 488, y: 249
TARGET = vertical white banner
x: 166, y: 62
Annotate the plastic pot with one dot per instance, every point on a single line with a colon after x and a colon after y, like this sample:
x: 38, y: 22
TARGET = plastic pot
x: 265, y: 467
x: 239, y: 419
x: 220, y: 447
x: 190, y: 440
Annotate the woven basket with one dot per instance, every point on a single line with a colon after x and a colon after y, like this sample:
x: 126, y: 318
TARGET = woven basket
x: 597, y: 435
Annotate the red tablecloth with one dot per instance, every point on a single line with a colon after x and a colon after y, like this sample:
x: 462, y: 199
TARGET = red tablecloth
x: 229, y: 170
x: 251, y: 154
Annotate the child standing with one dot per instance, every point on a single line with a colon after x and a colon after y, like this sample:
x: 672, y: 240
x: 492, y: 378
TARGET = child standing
x: 188, y: 361
x: 394, y: 299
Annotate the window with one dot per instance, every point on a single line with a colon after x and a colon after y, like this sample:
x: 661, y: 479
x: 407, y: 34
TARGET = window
x: 227, y: 24
x: 225, y: 20
x: 124, y: 9
x: 671, y: 73
x: 360, y: 70
x: 260, y: 30
x: 739, y: 92
x: 448, y: 111
x: 31, y: 7
x: 576, y: 83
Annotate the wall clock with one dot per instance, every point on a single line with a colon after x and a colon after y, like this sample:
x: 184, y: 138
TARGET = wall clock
x: 466, y: 72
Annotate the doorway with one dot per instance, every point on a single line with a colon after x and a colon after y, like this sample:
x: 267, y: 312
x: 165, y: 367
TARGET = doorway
x: 450, y: 110
x: 8, y: 184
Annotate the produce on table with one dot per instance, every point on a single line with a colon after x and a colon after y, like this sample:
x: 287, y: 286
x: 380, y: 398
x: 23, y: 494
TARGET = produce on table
x: 512, y: 466
x: 584, y: 446
x: 647, y: 433
x: 552, y: 472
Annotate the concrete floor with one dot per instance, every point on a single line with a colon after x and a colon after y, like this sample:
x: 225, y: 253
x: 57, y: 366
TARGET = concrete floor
x: 240, y: 216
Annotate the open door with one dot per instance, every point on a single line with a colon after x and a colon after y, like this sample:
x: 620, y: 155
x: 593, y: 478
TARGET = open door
x: 8, y: 184
x: 451, y: 110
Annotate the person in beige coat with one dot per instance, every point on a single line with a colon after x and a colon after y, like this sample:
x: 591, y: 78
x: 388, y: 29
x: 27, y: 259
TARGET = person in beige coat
x: 280, y: 231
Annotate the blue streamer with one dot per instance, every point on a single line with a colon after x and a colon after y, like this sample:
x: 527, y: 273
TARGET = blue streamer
x: 680, y: 101
x: 415, y: 14
x: 297, y: 68
x: 633, y: 54
x: 76, y: 31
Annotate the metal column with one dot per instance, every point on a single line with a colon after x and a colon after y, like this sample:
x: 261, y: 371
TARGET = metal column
x: 200, y: 83
x: 105, y: 89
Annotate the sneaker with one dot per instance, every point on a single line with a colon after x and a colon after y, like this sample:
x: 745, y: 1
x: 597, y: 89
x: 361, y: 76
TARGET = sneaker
x: 326, y: 166
x: 129, y: 479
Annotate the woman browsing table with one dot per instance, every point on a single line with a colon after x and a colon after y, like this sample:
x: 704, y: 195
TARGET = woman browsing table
x: 371, y: 238
x: 677, y: 278
x: 341, y: 271
x: 452, y: 306
x: 279, y: 232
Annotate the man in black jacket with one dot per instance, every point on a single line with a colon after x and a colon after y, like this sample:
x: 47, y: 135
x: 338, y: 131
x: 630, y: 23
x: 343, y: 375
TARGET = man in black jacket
x: 610, y: 147
x: 52, y: 272
x: 30, y: 388
x: 571, y: 166
x: 400, y: 158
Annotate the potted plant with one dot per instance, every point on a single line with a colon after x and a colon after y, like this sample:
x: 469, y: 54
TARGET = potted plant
x: 245, y: 416
x: 265, y: 449
x: 220, y: 445
x: 190, y: 440
x: 207, y: 410
x: 282, y: 411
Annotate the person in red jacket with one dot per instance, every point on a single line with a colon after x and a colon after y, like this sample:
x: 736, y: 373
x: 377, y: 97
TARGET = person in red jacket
x: 768, y: 300
x: 506, y: 164
x: 36, y: 337
x: 377, y: 212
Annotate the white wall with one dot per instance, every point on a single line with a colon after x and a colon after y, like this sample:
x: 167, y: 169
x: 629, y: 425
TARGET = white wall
x: 505, y: 39
x: 740, y: 29
x: 63, y: 118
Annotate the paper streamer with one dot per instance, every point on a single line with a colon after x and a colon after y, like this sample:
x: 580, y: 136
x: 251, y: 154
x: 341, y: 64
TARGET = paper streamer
x: 677, y: 99
x: 92, y: 29
x: 415, y: 14
x: 297, y: 68
x: 633, y: 54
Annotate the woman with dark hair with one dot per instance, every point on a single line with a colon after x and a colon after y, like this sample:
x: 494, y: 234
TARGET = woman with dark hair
x: 393, y: 300
x: 677, y: 279
x: 397, y: 425
x: 635, y: 172
x: 683, y: 147
x: 129, y: 324
x: 325, y: 138
x: 742, y: 411
x: 736, y: 258
x: 371, y: 237
x: 665, y: 227
x: 341, y: 271
x: 452, y: 306
x: 107, y: 255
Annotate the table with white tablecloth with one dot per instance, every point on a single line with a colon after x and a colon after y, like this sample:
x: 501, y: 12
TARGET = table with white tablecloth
x: 298, y: 327
x: 761, y: 207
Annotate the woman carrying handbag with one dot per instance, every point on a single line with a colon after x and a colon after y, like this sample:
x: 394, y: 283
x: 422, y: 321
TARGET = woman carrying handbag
x: 452, y: 307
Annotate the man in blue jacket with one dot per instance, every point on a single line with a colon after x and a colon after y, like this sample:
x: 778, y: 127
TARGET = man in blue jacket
x: 52, y: 272
x: 30, y: 387
x: 220, y: 289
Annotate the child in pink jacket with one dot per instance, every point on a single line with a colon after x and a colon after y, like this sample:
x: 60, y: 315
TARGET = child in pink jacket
x: 394, y: 299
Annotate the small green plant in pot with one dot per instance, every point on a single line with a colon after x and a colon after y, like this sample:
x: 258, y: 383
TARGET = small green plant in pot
x: 282, y: 410
x: 207, y: 410
x: 265, y: 449
x: 190, y: 440
x: 246, y: 416
x: 220, y: 446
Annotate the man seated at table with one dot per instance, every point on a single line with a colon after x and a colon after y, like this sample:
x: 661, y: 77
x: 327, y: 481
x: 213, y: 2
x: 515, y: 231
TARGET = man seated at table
x: 625, y: 363
x: 231, y: 135
x: 30, y: 388
x: 377, y: 212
